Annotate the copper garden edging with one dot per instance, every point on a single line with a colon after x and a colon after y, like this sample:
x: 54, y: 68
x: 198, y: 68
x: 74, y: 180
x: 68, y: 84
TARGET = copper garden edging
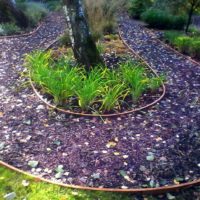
x: 158, y: 190
x: 103, y: 115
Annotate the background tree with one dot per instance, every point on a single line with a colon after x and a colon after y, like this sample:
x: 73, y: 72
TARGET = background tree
x: 180, y: 7
x: 9, y: 12
x: 193, y: 5
x: 83, y: 45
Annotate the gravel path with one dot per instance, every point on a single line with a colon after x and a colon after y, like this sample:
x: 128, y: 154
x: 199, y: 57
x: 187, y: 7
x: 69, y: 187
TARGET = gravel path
x: 148, y: 148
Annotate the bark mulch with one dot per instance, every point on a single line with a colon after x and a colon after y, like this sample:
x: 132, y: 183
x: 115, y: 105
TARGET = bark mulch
x: 155, y: 147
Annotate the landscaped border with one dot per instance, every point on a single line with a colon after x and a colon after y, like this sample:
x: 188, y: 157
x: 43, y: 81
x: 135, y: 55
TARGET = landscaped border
x: 104, y: 115
x: 159, y: 190
x: 151, y: 31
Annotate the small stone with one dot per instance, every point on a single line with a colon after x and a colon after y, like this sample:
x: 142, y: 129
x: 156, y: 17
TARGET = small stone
x: 27, y: 122
x: 143, y: 168
x: 150, y: 157
x: 10, y: 196
x: 66, y: 173
x: 95, y: 175
x: 2, y: 145
x: 58, y: 175
x: 38, y: 170
x: 33, y: 163
x: 124, y: 187
x: 125, y: 156
x: 40, y: 107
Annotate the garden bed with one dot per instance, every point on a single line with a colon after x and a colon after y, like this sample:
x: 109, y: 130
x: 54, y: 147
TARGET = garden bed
x: 149, y: 148
x: 118, y: 70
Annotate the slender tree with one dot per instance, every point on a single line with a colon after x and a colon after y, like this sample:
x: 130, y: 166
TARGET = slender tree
x: 193, y: 5
x: 9, y: 11
x: 83, y: 45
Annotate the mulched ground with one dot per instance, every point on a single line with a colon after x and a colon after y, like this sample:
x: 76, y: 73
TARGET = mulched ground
x: 154, y: 147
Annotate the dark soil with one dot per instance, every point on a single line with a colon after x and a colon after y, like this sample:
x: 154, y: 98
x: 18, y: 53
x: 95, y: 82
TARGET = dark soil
x: 151, y: 148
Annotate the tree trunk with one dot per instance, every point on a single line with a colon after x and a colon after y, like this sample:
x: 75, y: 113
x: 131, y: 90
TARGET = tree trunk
x: 9, y: 12
x: 83, y: 45
x: 189, y: 18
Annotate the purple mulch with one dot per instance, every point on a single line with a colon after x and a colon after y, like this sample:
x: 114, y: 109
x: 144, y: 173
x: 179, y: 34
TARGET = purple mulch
x: 151, y: 148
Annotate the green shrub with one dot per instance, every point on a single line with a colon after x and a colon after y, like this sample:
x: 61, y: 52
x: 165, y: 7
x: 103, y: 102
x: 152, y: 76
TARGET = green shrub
x: 171, y: 36
x: 163, y: 20
x: 54, y: 5
x: 35, y: 11
x: 188, y: 44
x: 194, y: 48
x: 137, y: 7
x: 193, y: 31
x: 183, y: 43
x: 9, y: 29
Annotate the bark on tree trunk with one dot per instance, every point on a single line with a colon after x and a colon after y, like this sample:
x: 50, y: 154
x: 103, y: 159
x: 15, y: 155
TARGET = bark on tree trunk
x: 9, y: 11
x: 84, y: 48
x: 189, y: 18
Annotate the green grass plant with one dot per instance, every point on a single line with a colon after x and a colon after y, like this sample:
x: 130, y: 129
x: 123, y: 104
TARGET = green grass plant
x: 135, y: 77
x: 90, y: 88
x: 9, y: 29
x: 101, y: 89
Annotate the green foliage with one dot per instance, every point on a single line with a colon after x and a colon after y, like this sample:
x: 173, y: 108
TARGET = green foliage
x: 137, y: 7
x: 183, y: 43
x: 194, y: 31
x: 9, y: 29
x: 112, y: 96
x: 54, y: 5
x: 163, y: 20
x: 34, y: 11
x: 100, y: 47
x: 90, y: 88
x: 156, y: 82
x: 170, y: 36
x: 59, y: 81
x: 135, y: 77
x: 194, y: 49
x: 65, y: 39
x: 188, y: 44
x: 100, y: 90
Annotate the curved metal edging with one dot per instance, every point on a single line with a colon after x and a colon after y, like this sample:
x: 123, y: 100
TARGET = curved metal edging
x: 104, y: 115
x: 158, y: 190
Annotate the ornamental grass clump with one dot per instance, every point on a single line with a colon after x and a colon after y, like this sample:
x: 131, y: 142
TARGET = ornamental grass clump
x: 100, y: 90
x: 90, y: 88
x: 136, y: 78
